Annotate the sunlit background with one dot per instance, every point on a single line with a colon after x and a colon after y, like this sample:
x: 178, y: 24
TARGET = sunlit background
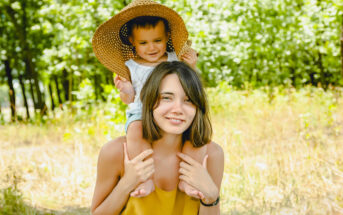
x: 272, y: 70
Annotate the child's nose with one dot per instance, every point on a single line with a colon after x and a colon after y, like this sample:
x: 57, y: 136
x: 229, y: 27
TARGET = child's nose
x: 151, y: 46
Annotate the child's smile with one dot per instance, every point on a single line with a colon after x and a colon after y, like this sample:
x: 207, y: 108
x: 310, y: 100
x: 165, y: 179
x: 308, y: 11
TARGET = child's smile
x: 150, y: 43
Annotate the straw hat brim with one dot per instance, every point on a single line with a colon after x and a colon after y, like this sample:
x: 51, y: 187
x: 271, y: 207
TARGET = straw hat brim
x: 110, y: 50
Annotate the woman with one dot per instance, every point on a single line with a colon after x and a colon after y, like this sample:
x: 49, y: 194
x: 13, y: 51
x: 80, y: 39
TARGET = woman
x: 175, y: 110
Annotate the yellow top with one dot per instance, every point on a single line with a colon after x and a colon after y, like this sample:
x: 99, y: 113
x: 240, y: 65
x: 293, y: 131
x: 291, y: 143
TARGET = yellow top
x: 161, y: 202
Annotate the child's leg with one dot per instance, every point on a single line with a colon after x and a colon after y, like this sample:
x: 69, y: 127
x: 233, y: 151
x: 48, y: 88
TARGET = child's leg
x: 135, y: 145
x: 135, y: 141
x: 197, y: 154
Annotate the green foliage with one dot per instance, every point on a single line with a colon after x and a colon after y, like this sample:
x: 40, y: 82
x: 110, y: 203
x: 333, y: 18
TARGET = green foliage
x: 86, y: 105
x: 11, y: 201
x: 115, y: 108
x: 269, y: 42
x: 246, y: 43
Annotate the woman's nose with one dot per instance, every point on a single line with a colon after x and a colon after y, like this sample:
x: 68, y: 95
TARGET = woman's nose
x: 177, y: 107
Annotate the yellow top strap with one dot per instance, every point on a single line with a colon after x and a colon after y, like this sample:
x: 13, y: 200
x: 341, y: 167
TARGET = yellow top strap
x: 161, y: 202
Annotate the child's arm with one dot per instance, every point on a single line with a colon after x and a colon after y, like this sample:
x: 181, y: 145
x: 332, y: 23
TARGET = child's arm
x: 127, y: 93
x: 191, y: 58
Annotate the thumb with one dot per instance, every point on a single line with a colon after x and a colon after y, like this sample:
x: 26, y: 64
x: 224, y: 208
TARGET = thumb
x: 204, y: 162
x: 126, y: 156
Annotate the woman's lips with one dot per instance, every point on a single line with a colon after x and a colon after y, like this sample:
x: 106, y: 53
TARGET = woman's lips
x: 175, y: 121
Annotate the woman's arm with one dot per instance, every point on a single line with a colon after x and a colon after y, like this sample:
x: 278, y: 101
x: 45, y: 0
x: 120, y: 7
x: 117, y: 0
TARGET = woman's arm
x: 215, y: 167
x: 111, y: 190
x: 206, y: 180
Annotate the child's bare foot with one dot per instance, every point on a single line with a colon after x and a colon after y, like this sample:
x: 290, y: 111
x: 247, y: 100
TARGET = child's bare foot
x: 143, y: 189
x: 189, y: 190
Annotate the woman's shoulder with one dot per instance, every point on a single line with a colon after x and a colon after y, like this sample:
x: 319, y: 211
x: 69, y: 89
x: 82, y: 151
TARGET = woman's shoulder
x: 214, y: 150
x: 112, y: 151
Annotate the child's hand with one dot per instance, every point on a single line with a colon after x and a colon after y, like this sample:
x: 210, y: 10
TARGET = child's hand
x: 127, y: 93
x: 190, y: 57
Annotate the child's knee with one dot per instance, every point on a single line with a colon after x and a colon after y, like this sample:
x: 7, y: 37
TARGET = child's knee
x: 135, y: 127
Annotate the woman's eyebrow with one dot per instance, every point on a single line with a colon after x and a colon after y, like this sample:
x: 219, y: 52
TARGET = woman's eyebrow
x: 168, y: 93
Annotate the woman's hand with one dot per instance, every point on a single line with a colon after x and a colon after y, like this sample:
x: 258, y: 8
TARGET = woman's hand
x: 197, y: 176
x: 191, y: 58
x: 127, y: 93
x: 137, y: 170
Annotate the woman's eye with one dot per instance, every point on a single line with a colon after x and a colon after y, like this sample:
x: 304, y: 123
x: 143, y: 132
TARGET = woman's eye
x: 188, y: 100
x: 166, y: 98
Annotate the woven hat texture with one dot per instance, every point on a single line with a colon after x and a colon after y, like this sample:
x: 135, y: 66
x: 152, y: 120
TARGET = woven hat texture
x: 110, y: 49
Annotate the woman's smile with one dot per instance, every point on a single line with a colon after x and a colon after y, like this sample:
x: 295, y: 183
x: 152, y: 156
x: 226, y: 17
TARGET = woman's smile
x: 175, y: 121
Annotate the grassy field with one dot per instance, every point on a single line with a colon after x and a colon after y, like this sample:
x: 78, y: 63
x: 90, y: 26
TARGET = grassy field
x: 283, y: 155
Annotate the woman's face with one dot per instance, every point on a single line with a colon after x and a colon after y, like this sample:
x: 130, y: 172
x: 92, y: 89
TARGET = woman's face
x: 175, y: 112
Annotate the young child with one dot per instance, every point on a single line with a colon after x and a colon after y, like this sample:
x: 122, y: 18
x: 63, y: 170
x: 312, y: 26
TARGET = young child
x: 131, y: 44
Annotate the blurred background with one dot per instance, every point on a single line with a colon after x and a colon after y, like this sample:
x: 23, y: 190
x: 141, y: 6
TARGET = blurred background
x: 272, y: 69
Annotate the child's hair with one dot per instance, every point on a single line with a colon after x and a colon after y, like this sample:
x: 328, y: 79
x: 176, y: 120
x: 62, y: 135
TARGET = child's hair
x: 143, y: 22
x: 200, y: 131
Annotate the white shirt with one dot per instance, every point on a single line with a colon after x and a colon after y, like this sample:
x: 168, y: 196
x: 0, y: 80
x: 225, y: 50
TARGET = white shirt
x: 139, y: 74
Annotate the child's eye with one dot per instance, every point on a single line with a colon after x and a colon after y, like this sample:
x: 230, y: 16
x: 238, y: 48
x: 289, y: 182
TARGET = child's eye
x: 158, y: 41
x: 142, y: 43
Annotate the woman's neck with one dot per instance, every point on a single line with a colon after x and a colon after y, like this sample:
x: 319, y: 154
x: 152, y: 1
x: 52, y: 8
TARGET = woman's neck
x: 168, y: 144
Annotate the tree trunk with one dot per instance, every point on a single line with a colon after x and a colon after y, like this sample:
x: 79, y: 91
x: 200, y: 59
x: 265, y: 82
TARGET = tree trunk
x: 342, y: 48
x: 96, y: 87
x: 27, y: 55
x: 51, y: 97
x: 58, y: 92
x: 70, y: 88
x: 22, y: 86
x: 101, y: 89
x: 40, y: 99
x: 11, y: 91
x: 33, y: 97
x: 65, y: 85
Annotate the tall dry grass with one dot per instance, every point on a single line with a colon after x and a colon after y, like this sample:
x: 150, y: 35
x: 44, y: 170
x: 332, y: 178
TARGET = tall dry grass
x: 283, y: 153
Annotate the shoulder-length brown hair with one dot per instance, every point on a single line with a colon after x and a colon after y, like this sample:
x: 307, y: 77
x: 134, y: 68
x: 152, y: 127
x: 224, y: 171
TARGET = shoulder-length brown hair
x: 200, y: 131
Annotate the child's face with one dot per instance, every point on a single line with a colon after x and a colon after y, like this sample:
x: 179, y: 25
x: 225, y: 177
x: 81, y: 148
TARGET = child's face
x: 174, y: 112
x: 151, y: 42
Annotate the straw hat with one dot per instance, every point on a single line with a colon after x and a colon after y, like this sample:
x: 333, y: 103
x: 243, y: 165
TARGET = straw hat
x: 112, y: 52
